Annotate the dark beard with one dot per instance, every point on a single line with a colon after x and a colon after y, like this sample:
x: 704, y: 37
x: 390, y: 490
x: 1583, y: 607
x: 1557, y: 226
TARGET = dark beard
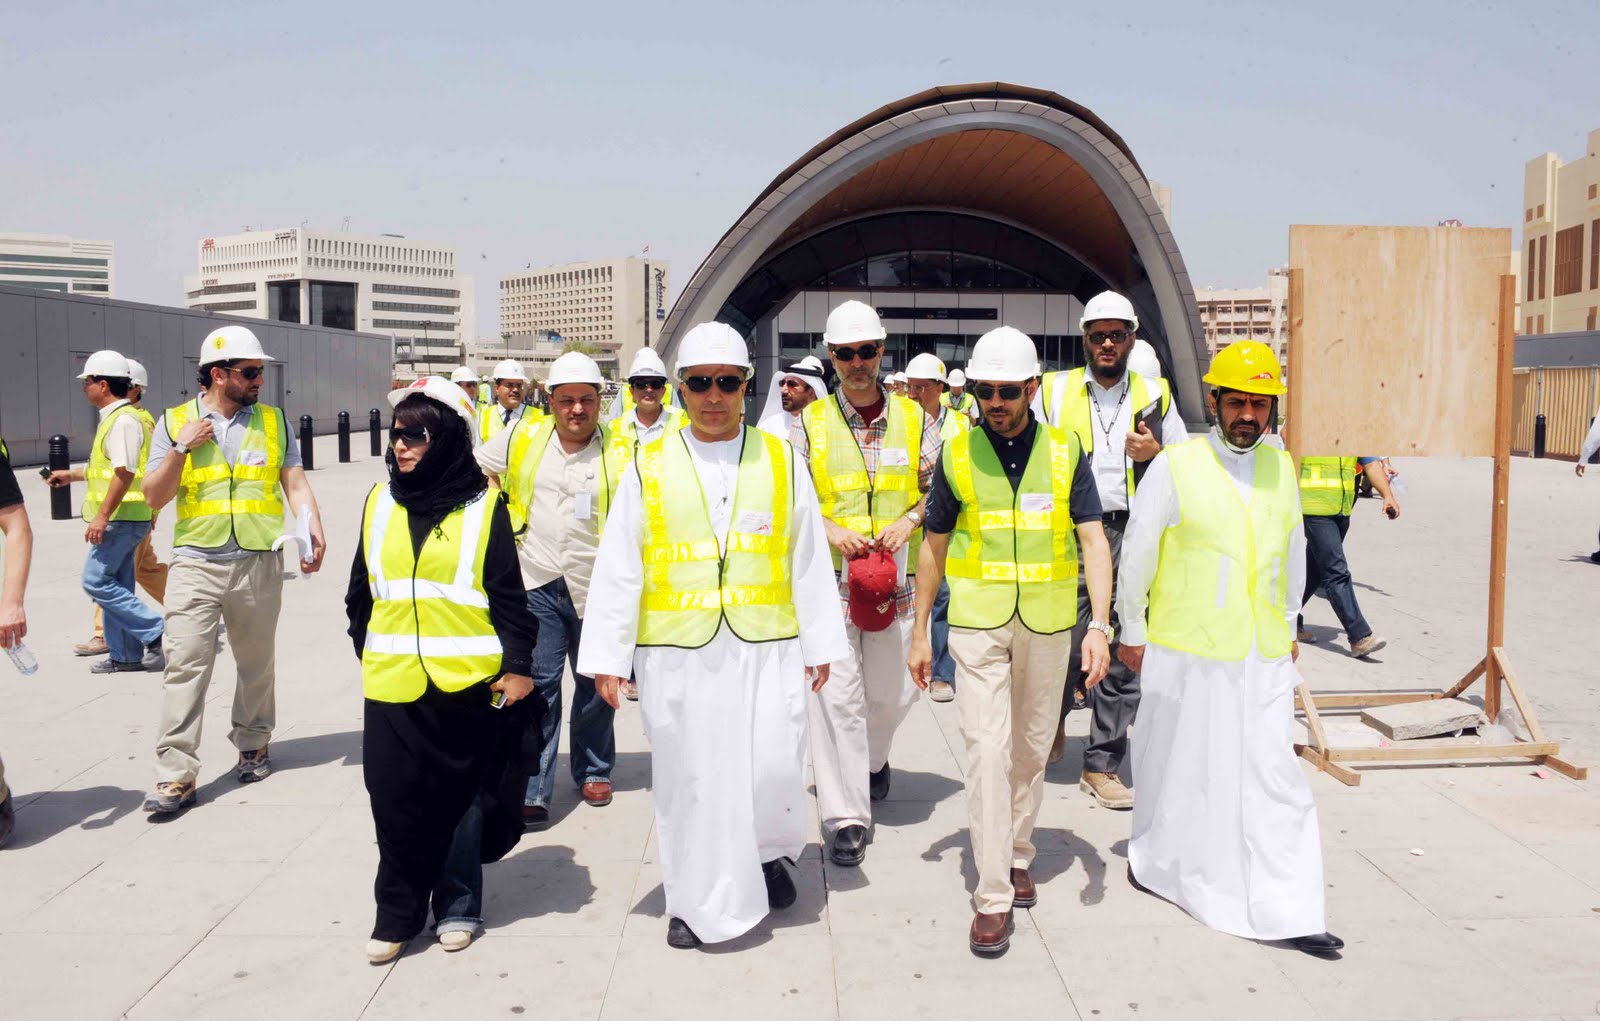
x: 1113, y: 374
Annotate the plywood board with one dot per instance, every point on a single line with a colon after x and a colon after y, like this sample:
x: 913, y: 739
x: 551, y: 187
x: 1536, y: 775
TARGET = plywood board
x: 1397, y: 331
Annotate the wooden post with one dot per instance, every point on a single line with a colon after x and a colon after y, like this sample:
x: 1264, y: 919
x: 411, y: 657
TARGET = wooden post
x: 1502, y: 495
x: 1297, y: 318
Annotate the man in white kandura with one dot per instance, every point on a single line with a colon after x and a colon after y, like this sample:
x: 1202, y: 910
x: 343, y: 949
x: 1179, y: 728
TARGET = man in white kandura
x: 721, y: 598
x: 791, y: 391
x: 1225, y: 826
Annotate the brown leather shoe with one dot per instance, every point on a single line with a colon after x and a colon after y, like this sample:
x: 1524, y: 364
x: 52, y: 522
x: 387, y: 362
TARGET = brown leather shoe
x: 95, y: 646
x: 1023, y: 893
x: 597, y: 793
x: 991, y: 934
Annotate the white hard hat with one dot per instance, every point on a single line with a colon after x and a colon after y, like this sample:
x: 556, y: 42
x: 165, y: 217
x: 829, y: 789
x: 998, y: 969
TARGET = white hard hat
x: 1108, y: 305
x: 647, y: 364
x: 925, y: 366
x: 106, y: 363
x: 1003, y: 355
x: 510, y: 368
x: 713, y: 344
x: 957, y: 378
x: 853, y: 321
x: 574, y: 367
x: 1142, y: 359
x: 445, y: 392
x: 226, y: 343
x: 137, y: 374
x: 462, y: 374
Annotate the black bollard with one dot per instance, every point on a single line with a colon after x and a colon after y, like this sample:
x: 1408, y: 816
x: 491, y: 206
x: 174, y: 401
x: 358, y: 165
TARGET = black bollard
x: 60, y: 499
x: 1538, y: 435
x: 305, y: 443
x: 344, y: 437
x: 375, y: 423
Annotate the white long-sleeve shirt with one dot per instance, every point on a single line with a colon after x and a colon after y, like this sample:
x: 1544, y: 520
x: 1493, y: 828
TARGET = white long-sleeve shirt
x: 1111, y: 414
x: 1155, y: 509
x: 1591, y: 442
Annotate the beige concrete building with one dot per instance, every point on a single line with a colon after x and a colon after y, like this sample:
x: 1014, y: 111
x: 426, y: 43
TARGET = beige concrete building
x: 56, y: 262
x: 1256, y: 313
x: 1561, y: 242
x: 618, y: 305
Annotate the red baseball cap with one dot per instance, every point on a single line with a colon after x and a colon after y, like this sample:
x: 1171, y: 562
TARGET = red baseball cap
x: 872, y: 591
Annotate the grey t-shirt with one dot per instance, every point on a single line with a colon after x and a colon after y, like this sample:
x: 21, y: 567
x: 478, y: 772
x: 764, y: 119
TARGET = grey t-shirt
x: 227, y: 433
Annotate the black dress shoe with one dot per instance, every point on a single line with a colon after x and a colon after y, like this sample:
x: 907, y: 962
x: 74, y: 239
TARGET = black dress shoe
x: 878, y: 783
x: 534, y: 817
x: 849, y: 846
x: 1322, y: 943
x: 680, y: 936
x: 780, y: 887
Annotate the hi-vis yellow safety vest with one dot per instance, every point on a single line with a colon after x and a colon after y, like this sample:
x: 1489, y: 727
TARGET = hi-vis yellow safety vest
x: 625, y: 434
x: 1221, y: 580
x: 966, y: 405
x: 1072, y: 409
x: 1328, y: 485
x: 99, y: 473
x: 529, y: 440
x: 1013, y: 551
x: 244, y: 501
x: 690, y: 586
x: 430, y: 613
x: 491, y: 419
x: 849, y: 497
x: 952, y: 424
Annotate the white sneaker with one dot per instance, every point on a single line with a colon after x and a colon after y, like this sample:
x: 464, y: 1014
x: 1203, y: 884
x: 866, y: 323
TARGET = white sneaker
x: 382, y: 952
x: 455, y: 939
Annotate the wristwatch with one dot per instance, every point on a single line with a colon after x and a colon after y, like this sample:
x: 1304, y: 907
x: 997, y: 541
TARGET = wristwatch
x: 1105, y: 629
x: 915, y: 516
x: 180, y: 448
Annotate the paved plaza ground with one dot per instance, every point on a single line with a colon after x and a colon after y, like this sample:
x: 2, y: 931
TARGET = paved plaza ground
x: 1462, y: 892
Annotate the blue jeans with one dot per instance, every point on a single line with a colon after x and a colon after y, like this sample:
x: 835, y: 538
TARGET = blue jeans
x: 458, y: 896
x: 130, y: 625
x: 944, y: 665
x: 594, y: 743
x: 1326, y: 567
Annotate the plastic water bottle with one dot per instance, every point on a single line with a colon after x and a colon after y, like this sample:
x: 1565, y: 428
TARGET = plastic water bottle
x: 26, y: 662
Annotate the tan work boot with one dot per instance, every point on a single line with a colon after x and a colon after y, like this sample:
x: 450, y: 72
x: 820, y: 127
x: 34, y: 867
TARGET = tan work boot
x: 1367, y: 646
x: 1059, y: 747
x: 1106, y: 789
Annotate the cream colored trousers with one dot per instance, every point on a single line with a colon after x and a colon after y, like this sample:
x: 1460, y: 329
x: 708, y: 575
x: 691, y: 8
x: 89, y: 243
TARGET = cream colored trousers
x: 1008, y: 694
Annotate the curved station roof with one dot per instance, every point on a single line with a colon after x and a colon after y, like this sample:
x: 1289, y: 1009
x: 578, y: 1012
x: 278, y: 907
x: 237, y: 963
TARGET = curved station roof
x: 1023, y: 177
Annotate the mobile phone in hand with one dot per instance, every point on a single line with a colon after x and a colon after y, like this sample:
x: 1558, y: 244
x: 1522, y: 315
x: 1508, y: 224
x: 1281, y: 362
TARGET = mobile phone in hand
x: 498, y: 700
x: 45, y: 473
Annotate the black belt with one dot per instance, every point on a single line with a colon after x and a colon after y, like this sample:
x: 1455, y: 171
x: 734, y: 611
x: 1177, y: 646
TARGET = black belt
x: 1114, y: 517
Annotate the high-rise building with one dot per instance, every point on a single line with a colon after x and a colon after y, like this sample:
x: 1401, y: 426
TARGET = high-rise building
x: 1561, y: 242
x: 56, y: 262
x: 1256, y: 313
x: 617, y: 305
x: 384, y: 283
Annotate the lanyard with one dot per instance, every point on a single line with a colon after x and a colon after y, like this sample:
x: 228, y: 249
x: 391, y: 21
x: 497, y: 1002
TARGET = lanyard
x: 1094, y: 402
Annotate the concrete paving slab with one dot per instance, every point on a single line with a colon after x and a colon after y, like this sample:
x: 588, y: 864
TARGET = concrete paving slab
x: 1405, y: 820
x: 1577, y: 860
x: 261, y: 976
x: 754, y: 976
x: 648, y: 913
x: 141, y: 899
x: 82, y: 975
x: 1459, y: 883
x: 1556, y: 958
x: 557, y: 893
x: 550, y: 978
x: 229, y: 833
x: 934, y: 974
x: 1555, y: 814
x: 329, y: 900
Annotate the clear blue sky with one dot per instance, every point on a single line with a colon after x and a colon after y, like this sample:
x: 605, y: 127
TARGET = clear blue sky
x: 545, y: 132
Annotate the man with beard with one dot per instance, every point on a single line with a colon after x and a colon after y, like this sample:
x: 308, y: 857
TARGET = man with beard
x: 1215, y: 552
x: 235, y: 469
x: 1103, y: 407
x: 792, y: 390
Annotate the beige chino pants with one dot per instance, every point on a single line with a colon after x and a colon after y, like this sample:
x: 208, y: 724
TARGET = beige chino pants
x: 1008, y: 695
x: 246, y: 594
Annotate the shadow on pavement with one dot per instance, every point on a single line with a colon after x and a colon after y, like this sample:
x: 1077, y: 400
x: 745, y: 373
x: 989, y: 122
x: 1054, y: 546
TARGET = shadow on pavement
x: 54, y: 812
x: 288, y: 754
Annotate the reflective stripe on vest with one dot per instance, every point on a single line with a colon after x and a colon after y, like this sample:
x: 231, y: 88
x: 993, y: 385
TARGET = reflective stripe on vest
x: 1328, y: 485
x: 530, y: 438
x: 99, y: 473
x: 1070, y: 406
x: 625, y: 436
x: 848, y: 495
x: 1221, y: 581
x: 216, y: 500
x: 690, y: 585
x: 430, y: 614
x: 1013, y: 551
x: 952, y: 424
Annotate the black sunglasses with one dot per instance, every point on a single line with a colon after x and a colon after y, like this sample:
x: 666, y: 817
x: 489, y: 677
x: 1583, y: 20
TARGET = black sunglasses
x: 251, y: 372
x: 648, y: 384
x: 1115, y: 336
x: 1009, y: 392
x: 701, y: 384
x: 414, y: 435
x: 866, y: 352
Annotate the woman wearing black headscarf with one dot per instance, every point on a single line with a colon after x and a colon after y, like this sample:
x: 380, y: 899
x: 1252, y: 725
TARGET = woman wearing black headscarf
x: 439, y: 618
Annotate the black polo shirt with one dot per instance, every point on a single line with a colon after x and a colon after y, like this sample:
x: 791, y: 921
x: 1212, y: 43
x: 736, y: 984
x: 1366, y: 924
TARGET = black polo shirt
x: 943, y: 507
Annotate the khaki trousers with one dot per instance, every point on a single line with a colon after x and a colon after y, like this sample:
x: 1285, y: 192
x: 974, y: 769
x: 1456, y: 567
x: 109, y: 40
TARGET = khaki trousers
x: 853, y: 720
x: 150, y: 573
x: 246, y: 594
x: 1008, y: 695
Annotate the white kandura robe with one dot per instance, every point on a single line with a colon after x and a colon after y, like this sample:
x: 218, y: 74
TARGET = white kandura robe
x: 726, y: 722
x: 1224, y: 825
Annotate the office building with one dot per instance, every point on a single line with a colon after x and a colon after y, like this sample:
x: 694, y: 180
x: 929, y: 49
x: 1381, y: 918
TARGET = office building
x: 1255, y: 313
x: 1561, y: 242
x: 56, y: 262
x: 617, y: 305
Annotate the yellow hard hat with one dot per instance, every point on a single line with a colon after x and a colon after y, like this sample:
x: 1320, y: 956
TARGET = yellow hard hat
x: 1248, y: 366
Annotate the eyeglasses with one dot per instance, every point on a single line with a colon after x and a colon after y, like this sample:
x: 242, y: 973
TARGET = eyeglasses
x: 1101, y: 336
x: 414, y: 435
x: 248, y: 372
x: 866, y: 352
x: 648, y: 384
x: 701, y: 384
x: 985, y: 391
